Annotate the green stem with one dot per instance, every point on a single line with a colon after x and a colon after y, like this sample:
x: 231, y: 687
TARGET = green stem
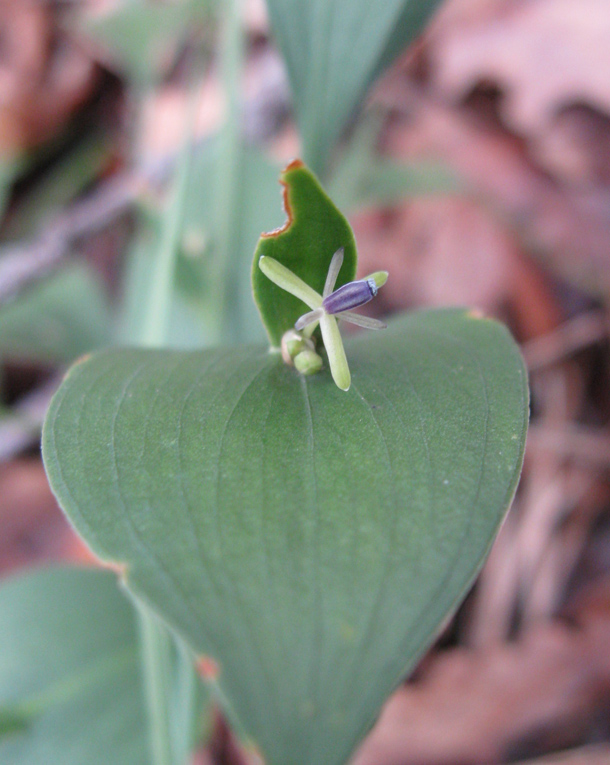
x: 171, y: 707
x: 155, y: 326
x: 228, y: 171
x: 186, y: 704
x: 157, y: 664
x: 165, y: 709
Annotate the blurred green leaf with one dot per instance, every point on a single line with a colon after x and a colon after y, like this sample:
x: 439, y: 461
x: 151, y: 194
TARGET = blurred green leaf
x: 313, y: 232
x: 142, y: 37
x: 256, y: 208
x: 13, y: 721
x: 186, y: 325
x: 310, y: 541
x: 70, y: 686
x: 193, y: 322
x: 362, y: 178
x: 334, y: 49
x: 60, y: 184
x: 56, y: 320
x: 388, y: 182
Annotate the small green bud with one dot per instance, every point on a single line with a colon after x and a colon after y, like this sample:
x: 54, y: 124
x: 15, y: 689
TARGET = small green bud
x: 295, y: 346
x: 294, y: 343
x: 308, y: 362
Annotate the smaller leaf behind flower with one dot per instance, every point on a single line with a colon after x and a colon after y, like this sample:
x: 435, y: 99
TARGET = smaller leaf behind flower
x: 313, y: 232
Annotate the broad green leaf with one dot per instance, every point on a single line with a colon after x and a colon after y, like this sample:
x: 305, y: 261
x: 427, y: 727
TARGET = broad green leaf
x: 313, y: 232
x: 70, y: 686
x: 56, y: 320
x: 334, y: 49
x: 309, y: 541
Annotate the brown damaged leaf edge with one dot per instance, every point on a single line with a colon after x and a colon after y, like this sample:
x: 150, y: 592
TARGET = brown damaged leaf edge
x: 296, y: 164
x: 81, y: 360
x: 118, y: 568
x: 208, y: 669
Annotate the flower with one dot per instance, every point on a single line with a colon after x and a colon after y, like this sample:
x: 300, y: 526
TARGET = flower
x: 328, y: 307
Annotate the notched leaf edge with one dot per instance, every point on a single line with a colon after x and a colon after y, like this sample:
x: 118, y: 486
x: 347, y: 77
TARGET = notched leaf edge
x: 296, y: 164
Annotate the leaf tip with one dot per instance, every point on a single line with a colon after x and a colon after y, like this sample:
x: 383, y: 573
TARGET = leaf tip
x: 294, y: 164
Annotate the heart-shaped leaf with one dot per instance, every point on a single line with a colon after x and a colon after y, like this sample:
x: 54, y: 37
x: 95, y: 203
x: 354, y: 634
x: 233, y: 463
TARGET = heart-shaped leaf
x: 313, y: 232
x: 310, y: 541
x: 334, y: 49
x: 70, y: 685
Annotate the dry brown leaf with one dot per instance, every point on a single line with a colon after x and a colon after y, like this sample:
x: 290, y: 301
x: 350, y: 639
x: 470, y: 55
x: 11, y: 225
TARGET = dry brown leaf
x: 44, y: 77
x: 256, y: 18
x: 440, y: 252
x: 33, y: 527
x: 475, y: 707
x: 548, y: 59
x: 166, y: 113
x: 543, y: 54
x: 567, y: 227
x: 538, y: 151
x: 451, y: 251
x: 586, y: 755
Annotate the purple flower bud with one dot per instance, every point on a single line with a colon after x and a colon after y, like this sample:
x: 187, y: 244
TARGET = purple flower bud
x: 350, y: 296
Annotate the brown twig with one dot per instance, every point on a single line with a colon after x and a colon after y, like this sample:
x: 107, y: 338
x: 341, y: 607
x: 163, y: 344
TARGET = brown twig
x: 21, y: 429
x: 572, y: 336
x: 24, y: 263
x: 265, y: 110
x: 586, y: 446
x: 598, y: 754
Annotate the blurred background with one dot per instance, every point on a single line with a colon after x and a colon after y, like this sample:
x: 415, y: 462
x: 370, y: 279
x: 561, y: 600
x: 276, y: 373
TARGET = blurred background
x: 477, y: 171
